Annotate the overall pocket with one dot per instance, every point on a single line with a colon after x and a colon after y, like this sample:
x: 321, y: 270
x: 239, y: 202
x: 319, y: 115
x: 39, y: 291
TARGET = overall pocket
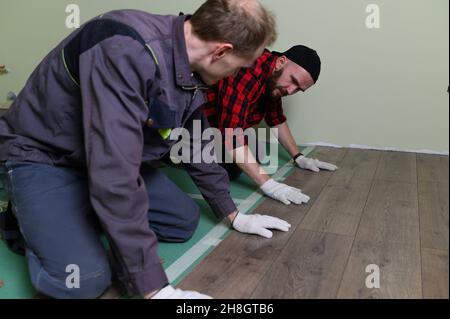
x: 161, y: 118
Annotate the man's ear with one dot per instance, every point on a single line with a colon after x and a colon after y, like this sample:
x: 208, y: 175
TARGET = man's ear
x: 221, y: 50
x: 281, y: 62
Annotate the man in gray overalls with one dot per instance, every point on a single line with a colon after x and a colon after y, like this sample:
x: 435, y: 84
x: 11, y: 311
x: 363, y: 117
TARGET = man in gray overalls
x: 76, y: 143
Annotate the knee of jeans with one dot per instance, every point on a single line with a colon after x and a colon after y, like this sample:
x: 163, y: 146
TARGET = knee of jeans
x: 71, y: 282
x: 183, y: 231
x: 175, y: 222
x: 191, y: 222
x: 91, y: 287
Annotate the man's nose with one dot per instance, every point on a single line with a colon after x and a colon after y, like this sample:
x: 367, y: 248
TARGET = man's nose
x: 291, y: 89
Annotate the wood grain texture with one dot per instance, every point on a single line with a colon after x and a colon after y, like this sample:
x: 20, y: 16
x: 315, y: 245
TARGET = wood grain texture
x: 389, y: 237
x: 310, y: 266
x: 356, y: 165
x: 400, y: 272
x: 433, y: 209
x: 384, y: 208
x: 338, y: 209
x: 397, y: 167
x: 391, y: 215
x: 432, y: 168
x: 435, y: 274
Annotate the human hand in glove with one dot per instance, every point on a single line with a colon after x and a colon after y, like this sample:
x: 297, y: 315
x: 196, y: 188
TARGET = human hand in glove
x: 169, y: 292
x: 284, y: 193
x: 314, y: 164
x: 259, y: 224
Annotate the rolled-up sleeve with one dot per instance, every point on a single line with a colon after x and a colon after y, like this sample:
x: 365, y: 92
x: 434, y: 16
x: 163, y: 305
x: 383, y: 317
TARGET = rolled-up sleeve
x: 114, y: 76
x: 274, y: 112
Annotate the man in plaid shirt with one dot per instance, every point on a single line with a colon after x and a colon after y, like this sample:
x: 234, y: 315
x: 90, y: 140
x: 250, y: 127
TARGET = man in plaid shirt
x: 253, y: 95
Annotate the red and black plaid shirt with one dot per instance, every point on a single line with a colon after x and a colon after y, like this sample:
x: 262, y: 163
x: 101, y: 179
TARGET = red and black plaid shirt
x: 243, y: 101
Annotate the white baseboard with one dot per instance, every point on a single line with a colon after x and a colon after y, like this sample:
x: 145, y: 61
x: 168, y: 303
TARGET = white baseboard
x: 391, y: 149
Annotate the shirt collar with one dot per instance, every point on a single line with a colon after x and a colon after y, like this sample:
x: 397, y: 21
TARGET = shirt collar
x: 271, y: 60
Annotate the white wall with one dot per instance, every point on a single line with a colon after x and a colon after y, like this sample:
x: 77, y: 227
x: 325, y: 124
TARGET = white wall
x: 382, y: 87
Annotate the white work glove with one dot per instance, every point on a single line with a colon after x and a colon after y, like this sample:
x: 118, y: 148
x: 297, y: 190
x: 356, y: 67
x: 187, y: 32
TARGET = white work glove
x: 314, y: 164
x: 284, y: 193
x: 169, y: 292
x: 259, y: 224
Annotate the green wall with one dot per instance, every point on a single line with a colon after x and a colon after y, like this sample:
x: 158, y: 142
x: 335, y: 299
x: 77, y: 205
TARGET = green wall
x: 382, y: 87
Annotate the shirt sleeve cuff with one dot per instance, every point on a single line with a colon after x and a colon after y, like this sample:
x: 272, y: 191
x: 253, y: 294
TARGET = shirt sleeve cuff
x: 277, y: 122
x: 223, y: 206
x: 146, y: 281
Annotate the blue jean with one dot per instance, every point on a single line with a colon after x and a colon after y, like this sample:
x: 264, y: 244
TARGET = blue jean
x: 60, y: 227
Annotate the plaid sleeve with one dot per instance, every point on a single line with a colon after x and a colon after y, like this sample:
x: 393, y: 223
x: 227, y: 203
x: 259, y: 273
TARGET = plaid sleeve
x: 274, y: 112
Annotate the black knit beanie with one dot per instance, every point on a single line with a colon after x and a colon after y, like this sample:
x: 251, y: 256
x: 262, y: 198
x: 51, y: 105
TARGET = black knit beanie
x: 305, y: 57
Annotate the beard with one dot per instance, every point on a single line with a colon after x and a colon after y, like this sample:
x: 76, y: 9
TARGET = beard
x: 273, y: 90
